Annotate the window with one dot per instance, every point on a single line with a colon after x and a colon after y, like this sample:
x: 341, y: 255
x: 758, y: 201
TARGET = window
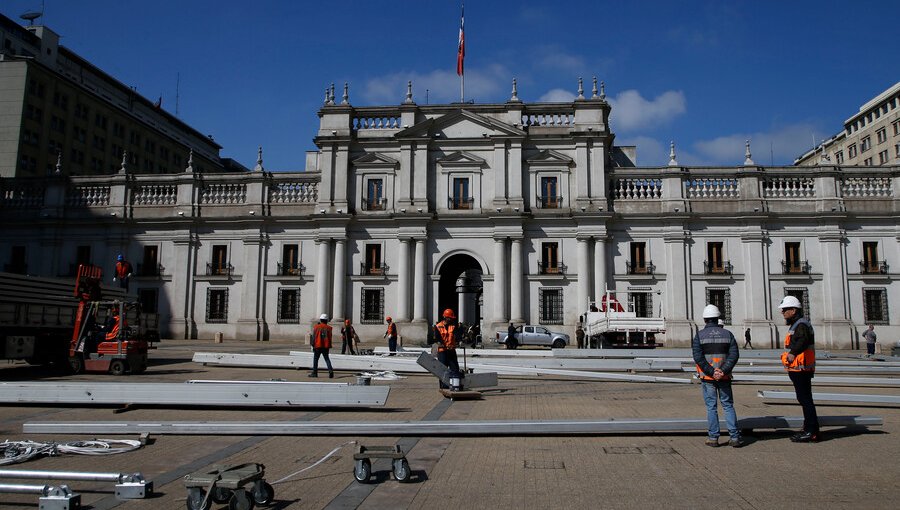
x: 851, y: 150
x: 897, y: 151
x: 881, y: 135
x: 865, y: 144
x: 642, y: 303
x: 803, y: 296
x: 839, y: 157
x: 374, y: 200
x: 373, y: 264
x: 867, y: 162
x: 722, y: 299
x: 550, y: 258
x: 82, y: 255
x: 57, y: 124
x: 870, y: 263
x: 896, y: 125
x: 290, y: 261
x: 81, y: 111
x: 883, y: 157
x: 149, y: 299
x: 288, y: 306
x: 219, y: 264
x: 372, y: 306
x: 638, y: 263
x: 16, y: 260
x: 551, y: 305
x: 550, y: 198
x: 715, y: 259
x: 875, y: 306
x: 216, y: 305
x: 461, y: 198
x: 792, y: 263
x: 150, y: 264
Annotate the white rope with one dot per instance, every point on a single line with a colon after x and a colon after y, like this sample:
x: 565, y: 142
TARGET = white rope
x: 14, y: 452
x: 323, y: 459
x: 384, y: 375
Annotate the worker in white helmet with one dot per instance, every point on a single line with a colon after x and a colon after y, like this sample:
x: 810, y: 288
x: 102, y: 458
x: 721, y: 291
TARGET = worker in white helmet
x: 716, y: 353
x: 799, y: 359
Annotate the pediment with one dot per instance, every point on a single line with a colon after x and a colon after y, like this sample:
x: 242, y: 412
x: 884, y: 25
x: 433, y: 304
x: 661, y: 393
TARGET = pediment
x: 550, y: 158
x: 461, y: 158
x: 374, y: 159
x: 461, y: 124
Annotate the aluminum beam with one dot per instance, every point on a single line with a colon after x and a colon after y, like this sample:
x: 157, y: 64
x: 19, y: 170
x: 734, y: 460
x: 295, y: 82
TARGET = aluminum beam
x: 878, y: 382
x: 234, y: 394
x: 443, y: 428
x: 478, y: 353
x: 128, y: 485
x: 304, y: 360
x: 834, y: 397
x: 820, y: 369
x: 659, y: 353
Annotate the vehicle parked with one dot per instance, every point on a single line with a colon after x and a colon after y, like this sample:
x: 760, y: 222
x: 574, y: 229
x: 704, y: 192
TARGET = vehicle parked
x: 533, y: 335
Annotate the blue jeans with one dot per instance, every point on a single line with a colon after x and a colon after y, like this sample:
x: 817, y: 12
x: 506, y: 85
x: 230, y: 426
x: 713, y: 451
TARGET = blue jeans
x: 714, y: 391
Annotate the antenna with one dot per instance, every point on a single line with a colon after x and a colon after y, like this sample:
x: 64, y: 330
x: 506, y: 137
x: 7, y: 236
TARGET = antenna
x: 30, y: 16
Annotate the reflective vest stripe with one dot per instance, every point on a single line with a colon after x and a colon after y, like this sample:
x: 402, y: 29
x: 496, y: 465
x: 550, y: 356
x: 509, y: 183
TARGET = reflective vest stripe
x: 806, y: 360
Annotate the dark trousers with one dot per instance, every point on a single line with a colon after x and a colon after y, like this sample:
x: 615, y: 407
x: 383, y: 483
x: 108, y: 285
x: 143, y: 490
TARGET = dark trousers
x: 392, y: 343
x: 448, y: 357
x: 870, y: 348
x: 123, y: 283
x: 324, y: 353
x: 803, y: 388
x: 347, y: 343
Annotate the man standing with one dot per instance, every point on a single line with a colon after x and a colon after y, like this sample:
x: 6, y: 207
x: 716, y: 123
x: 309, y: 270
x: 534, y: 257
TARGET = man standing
x: 747, y: 339
x: 391, y: 335
x: 579, y: 336
x: 123, y: 272
x: 447, y: 335
x: 799, y: 360
x: 348, y: 335
x: 511, y: 342
x: 716, y: 352
x: 321, y: 346
x: 870, y: 337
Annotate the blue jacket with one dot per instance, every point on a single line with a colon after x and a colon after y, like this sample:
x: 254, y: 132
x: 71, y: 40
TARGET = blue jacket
x: 714, y: 341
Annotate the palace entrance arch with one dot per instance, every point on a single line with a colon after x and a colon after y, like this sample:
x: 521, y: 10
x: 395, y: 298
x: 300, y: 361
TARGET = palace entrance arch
x: 460, y: 288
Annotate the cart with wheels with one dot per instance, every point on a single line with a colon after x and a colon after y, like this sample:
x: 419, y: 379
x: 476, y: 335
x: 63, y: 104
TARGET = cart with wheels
x: 362, y: 469
x: 240, y: 486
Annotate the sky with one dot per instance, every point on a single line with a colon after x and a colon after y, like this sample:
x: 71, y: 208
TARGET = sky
x: 707, y: 75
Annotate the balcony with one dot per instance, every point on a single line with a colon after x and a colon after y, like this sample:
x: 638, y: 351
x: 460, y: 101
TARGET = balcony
x: 219, y: 269
x: 551, y: 267
x: 369, y: 269
x: 374, y: 203
x: 149, y: 270
x: 545, y: 202
x: 290, y: 269
x: 461, y: 203
x: 635, y: 268
x: 873, y: 266
x: 795, y: 267
x: 718, y: 268
x: 16, y: 268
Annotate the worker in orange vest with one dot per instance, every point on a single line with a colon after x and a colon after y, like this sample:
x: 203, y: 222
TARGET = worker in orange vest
x: 112, y: 325
x: 447, y: 334
x: 123, y: 272
x: 348, y: 336
x: 799, y: 359
x: 391, y: 335
x: 321, y: 346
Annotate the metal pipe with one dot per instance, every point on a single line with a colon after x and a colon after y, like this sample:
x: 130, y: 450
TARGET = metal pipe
x: 17, y: 488
x: 834, y: 397
x: 69, y: 475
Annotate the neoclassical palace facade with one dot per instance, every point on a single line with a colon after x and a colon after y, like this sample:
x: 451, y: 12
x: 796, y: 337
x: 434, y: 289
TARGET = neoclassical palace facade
x: 504, y: 212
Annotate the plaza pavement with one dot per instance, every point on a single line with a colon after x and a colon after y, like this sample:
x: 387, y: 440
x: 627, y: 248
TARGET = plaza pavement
x: 850, y: 469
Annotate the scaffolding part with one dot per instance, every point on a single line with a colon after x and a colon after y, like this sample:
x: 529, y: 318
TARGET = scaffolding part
x: 51, y: 497
x: 128, y: 485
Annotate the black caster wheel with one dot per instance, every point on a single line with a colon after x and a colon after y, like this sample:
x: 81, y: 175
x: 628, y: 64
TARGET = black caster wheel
x: 240, y: 500
x: 262, y: 492
x: 197, y: 500
x: 362, y: 471
x: 220, y: 495
x: 401, y: 470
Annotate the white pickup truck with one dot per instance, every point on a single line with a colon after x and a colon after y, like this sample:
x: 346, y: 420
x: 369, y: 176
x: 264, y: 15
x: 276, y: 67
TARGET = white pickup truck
x: 614, y: 324
x: 533, y: 335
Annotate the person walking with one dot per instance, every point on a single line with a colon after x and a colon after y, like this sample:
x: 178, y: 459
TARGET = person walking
x: 715, y: 352
x: 747, y: 339
x: 123, y: 271
x: 348, y: 336
x: 511, y: 342
x: 321, y: 346
x: 446, y: 333
x: 391, y: 335
x: 579, y: 336
x: 870, y: 337
x: 799, y: 359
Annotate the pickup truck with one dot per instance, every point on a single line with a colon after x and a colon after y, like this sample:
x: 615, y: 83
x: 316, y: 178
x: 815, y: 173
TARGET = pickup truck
x: 533, y: 335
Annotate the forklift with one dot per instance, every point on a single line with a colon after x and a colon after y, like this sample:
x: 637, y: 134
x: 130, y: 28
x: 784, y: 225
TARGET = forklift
x: 109, y: 336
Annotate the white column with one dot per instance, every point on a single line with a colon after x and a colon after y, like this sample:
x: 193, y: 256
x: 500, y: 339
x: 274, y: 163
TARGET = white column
x: 599, y: 268
x: 340, y: 279
x: 403, y: 282
x: 419, y: 294
x: 500, y: 286
x: 250, y: 318
x: 322, y: 278
x: 516, y: 282
x: 584, y: 276
x: 461, y: 314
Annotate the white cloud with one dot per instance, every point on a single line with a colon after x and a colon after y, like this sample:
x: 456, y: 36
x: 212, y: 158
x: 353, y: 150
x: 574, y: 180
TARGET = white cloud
x: 557, y: 96
x: 779, y: 146
x: 482, y: 84
x: 630, y: 111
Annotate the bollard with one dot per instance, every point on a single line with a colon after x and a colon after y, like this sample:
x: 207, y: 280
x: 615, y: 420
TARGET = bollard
x: 218, y: 338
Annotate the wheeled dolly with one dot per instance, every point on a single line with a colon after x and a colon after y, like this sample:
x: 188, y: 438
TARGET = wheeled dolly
x: 362, y: 469
x: 240, y: 486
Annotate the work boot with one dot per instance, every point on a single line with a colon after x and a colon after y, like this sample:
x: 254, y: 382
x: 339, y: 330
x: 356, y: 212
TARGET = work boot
x: 314, y: 374
x: 806, y: 437
x: 712, y: 442
x: 330, y: 374
x: 737, y: 442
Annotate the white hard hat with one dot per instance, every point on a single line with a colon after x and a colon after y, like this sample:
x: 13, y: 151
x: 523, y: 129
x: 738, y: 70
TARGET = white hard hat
x: 721, y: 322
x: 790, y: 302
x: 711, y: 312
x: 323, y: 317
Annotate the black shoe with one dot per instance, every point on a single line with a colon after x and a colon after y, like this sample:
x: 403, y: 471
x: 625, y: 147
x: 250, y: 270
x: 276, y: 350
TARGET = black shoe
x: 805, y: 437
x: 313, y: 374
x: 330, y: 374
x: 737, y: 443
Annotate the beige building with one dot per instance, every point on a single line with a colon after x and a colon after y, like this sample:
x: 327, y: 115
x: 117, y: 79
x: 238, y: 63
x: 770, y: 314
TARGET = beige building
x: 871, y: 137
x: 56, y: 107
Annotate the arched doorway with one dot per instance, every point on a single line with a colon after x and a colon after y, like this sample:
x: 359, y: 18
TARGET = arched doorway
x: 460, y: 288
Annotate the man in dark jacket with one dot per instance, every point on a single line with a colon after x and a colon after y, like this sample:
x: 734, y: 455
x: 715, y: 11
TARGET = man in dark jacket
x: 511, y: 342
x: 799, y: 360
x: 716, y: 352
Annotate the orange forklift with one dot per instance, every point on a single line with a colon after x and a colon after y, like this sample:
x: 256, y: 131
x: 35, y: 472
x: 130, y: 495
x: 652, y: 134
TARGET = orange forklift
x: 109, y: 336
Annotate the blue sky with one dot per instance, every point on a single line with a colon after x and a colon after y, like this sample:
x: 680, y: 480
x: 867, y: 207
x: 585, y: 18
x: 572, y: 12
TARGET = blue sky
x: 706, y: 74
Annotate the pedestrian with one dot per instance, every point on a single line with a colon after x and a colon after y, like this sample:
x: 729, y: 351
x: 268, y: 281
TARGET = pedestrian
x: 447, y: 336
x: 348, y: 336
x: 321, y: 346
x: 799, y: 359
x: 391, y: 335
x: 715, y: 352
x: 579, y: 336
x: 870, y: 337
x: 511, y: 342
x: 123, y: 272
x: 747, y: 339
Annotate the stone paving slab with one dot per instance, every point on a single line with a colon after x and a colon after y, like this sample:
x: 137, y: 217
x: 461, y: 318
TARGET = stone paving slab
x: 850, y: 468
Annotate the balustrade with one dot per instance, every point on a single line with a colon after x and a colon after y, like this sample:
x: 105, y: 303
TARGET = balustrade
x: 24, y: 195
x: 155, y: 194
x: 223, y: 193
x: 789, y: 187
x: 636, y: 188
x: 712, y: 187
x: 294, y: 192
x: 290, y: 269
x: 87, y: 196
x: 555, y: 119
x: 856, y: 187
x: 551, y: 267
x: 635, y: 268
x: 376, y: 122
x: 795, y: 267
x: 545, y: 202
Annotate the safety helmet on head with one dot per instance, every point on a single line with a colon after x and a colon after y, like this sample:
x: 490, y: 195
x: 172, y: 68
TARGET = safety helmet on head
x: 120, y: 257
x: 790, y: 302
x: 346, y: 322
x: 388, y: 318
x: 448, y: 314
x: 711, y: 312
x: 323, y: 317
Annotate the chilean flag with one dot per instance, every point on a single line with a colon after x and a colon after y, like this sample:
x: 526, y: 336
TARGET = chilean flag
x: 461, y: 52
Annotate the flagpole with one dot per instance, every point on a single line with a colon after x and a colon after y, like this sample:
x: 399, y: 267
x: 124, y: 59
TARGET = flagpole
x: 462, y: 87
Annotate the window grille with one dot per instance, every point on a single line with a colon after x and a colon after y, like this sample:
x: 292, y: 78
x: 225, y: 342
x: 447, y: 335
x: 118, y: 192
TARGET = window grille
x: 288, y: 306
x: 216, y: 306
x: 722, y: 299
x: 372, y: 306
x: 551, y: 306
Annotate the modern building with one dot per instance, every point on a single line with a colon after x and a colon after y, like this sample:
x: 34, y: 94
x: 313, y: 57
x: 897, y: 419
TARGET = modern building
x: 58, y: 109
x: 523, y: 212
x: 871, y: 137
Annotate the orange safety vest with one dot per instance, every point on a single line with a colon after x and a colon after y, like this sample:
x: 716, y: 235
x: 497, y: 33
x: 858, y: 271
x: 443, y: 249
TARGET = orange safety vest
x: 114, y: 332
x: 392, y: 329
x: 123, y: 268
x: 714, y: 342
x: 806, y: 360
x: 448, y: 336
x: 322, y: 336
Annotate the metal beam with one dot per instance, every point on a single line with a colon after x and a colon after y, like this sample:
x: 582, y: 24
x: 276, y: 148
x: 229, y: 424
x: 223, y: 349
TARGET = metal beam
x: 442, y: 372
x: 235, y: 394
x: 834, y: 397
x: 820, y: 380
x: 51, y: 497
x: 128, y: 485
x: 444, y: 428
x: 301, y: 360
x: 820, y: 369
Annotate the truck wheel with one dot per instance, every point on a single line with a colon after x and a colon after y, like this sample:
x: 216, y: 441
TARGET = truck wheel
x: 76, y: 364
x: 559, y: 344
x: 118, y: 367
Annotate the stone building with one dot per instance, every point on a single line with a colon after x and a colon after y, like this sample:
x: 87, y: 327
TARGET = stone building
x: 511, y: 211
